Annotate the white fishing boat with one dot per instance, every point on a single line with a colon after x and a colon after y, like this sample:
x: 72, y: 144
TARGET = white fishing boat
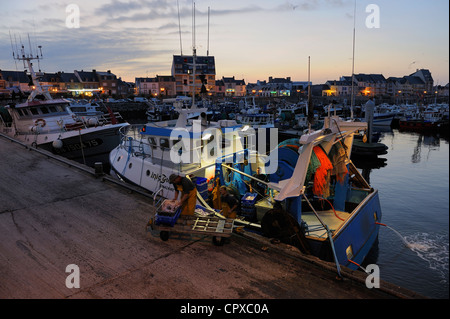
x: 253, y: 116
x: 50, y: 124
x: 148, y: 154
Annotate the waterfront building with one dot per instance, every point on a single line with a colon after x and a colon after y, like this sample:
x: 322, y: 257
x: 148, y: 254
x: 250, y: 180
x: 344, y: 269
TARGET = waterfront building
x: 205, y: 74
x: 16, y: 79
x: 161, y: 85
x: 234, y: 87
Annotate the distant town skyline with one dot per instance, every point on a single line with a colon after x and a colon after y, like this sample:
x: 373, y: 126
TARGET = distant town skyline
x: 251, y: 40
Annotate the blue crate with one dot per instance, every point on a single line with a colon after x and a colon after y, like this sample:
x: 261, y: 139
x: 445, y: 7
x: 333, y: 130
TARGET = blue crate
x: 248, y: 202
x: 248, y: 210
x: 202, y: 186
x: 249, y: 213
x: 167, y: 218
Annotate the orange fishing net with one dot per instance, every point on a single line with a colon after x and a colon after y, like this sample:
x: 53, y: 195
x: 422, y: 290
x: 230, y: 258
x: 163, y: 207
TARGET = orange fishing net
x: 321, y: 178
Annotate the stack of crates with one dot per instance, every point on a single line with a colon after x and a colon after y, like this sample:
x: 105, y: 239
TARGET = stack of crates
x: 202, y: 186
x: 248, y: 209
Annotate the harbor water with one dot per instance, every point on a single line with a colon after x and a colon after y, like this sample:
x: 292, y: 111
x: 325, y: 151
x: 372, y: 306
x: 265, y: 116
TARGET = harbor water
x: 413, y: 182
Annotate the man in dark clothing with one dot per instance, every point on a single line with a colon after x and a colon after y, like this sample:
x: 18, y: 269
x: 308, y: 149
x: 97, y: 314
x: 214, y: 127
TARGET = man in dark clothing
x: 229, y: 203
x: 258, y: 187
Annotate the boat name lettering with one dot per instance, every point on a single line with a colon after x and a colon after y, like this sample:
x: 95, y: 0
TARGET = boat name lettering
x: 161, y: 178
x: 78, y: 146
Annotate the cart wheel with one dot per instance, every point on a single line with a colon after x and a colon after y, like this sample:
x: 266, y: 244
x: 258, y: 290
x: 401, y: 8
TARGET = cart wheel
x: 164, y: 235
x: 218, y: 241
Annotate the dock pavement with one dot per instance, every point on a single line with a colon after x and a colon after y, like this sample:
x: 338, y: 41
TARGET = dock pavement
x: 55, y: 213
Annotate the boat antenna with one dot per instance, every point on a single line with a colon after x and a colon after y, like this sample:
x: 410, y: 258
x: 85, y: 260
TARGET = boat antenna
x: 179, y: 27
x: 352, y: 102
x: 310, y: 107
x: 29, y: 44
x: 27, y: 59
x: 12, y: 48
x: 207, y: 51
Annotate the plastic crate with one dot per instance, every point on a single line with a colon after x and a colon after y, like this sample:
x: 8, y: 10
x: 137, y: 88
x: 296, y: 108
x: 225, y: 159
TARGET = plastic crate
x: 167, y: 218
x: 202, y: 186
x: 248, y: 200
x: 248, y: 213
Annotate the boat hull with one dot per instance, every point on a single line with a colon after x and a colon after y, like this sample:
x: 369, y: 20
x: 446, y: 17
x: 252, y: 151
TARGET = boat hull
x: 419, y: 125
x: 355, y: 238
x: 153, y: 177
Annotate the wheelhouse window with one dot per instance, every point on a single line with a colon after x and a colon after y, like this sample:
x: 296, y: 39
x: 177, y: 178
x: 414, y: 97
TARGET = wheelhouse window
x: 34, y: 111
x: 52, y: 109
x: 164, y: 143
x: 152, y: 142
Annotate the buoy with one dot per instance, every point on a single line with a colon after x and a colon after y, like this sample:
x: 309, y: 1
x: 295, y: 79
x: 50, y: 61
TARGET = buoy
x: 93, y: 121
x: 57, y: 144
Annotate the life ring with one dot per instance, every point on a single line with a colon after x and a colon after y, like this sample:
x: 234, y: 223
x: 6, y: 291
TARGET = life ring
x: 40, y: 122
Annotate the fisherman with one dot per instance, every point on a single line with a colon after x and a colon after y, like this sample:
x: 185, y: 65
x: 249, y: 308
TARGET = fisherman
x: 229, y: 203
x: 258, y: 187
x: 188, y: 193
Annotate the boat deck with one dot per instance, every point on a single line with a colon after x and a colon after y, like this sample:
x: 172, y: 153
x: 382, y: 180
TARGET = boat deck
x: 316, y: 229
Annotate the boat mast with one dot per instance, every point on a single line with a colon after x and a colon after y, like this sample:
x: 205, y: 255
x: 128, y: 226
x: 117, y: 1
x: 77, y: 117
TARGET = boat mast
x: 194, y: 55
x: 179, y: 28
x: 26, y: 59
x: 352, y: 102
x: 207, y: 50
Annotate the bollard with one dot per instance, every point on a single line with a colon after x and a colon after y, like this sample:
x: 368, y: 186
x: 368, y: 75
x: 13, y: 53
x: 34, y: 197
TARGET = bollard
x: 98, y: 169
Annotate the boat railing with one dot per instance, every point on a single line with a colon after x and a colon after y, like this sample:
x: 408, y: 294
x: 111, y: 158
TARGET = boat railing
x: 134, y: 142
x: 3, y: 123
x: 96, y: 120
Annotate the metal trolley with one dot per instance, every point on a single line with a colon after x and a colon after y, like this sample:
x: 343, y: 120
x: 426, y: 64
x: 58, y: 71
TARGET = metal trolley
x: 167, y: 223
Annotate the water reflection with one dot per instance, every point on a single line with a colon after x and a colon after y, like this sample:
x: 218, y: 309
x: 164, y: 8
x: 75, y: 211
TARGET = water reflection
x: 426, y: 142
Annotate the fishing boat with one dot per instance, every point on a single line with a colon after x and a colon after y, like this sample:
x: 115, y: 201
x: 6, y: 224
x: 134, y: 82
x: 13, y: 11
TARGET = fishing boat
x: 252, y: 115
x: 326, y: 207
x: 50, y: 124
x: 429, y: 119
x: 148, y: 154
x: 93, y: 113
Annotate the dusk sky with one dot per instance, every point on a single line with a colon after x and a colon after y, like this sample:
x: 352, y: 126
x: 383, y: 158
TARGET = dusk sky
x: 250, y: 39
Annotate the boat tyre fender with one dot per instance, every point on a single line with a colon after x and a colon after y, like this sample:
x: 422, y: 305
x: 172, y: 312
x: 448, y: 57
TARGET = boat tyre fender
x: 40, y: 122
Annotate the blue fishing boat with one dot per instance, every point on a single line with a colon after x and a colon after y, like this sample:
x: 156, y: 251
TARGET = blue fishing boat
x: 317, y: 200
